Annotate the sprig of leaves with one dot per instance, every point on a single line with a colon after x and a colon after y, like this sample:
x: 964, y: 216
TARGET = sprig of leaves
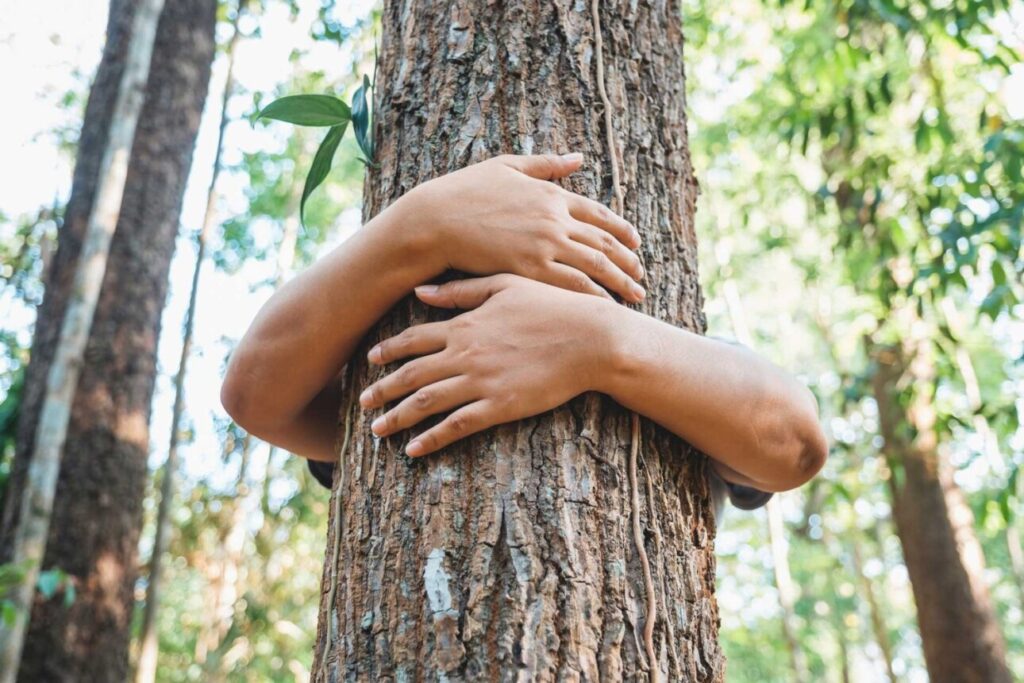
x: 332, y: 113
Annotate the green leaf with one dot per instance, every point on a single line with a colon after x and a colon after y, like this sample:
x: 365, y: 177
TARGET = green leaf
x: 321, y: 164
x: 9, y: 611
x: 361, y: 120
x: 308, y: 110
x: 48, y: 583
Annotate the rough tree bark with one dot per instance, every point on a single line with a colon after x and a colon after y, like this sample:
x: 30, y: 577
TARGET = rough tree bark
x: 959, y: 632
x: 511, y: 555
x: 98, y: 514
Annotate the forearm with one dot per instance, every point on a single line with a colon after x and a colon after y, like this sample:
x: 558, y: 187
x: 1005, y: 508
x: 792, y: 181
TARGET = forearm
x: 744, y: 412
x: 281, y: 381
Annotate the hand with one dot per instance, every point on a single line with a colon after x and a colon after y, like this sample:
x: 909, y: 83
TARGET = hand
x: 502, y: 216
x: 524, y: 349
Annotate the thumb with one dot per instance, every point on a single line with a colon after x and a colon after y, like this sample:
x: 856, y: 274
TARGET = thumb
x: 462, y: 293
x: 544, y: 166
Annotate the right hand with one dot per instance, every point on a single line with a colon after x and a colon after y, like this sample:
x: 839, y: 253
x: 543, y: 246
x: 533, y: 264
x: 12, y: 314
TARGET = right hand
x: 502, y: 216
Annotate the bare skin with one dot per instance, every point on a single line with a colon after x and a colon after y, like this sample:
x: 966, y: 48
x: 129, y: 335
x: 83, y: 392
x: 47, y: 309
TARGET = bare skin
x: 539, y: 331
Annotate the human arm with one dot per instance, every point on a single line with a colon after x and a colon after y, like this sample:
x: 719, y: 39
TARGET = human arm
x: 525, y: 348
x: 499, y: 215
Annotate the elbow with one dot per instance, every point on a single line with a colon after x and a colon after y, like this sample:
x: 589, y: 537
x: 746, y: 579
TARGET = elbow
x: 237, y: 398
x: 812, y: 456
x: 795, y: 443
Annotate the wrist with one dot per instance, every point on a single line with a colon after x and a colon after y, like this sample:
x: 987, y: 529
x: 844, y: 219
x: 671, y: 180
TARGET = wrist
x: 410, y: 237
x: 615, y: 347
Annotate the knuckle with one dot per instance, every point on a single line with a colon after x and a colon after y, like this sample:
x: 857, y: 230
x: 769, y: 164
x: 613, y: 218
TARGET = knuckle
x: 458, y: 424
x: 579, y: 282
x: 598, y: 262
x: 406, y: 376
x: 423, y: 398
x: 391, y: 421
x: 376, y: 395
x: 607, y: 243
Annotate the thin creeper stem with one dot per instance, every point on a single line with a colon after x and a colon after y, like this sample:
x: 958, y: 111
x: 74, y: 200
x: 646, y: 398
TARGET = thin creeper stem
x: 653, y: 672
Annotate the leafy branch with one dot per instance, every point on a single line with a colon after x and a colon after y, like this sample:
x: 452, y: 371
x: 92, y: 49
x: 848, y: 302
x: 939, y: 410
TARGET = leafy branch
x: 325, y: 111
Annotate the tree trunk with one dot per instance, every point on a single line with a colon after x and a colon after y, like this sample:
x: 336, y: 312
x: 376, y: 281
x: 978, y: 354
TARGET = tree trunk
x: 37, y: 497
x: 148, y: 637
x: 878, y: 627
x: 511, y: 555
x: 788, y: 591
x: 959, y: 631
x: 98, y: 512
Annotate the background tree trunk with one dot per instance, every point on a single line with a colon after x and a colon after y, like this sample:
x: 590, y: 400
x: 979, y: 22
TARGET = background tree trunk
x: 98, y: 513
x: 511, y: 554
x: 149, y: 642
x: 959, y: 632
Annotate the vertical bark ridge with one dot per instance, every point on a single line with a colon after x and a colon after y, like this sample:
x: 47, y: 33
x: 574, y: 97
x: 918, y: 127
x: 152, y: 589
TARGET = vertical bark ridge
x: 510, y: 555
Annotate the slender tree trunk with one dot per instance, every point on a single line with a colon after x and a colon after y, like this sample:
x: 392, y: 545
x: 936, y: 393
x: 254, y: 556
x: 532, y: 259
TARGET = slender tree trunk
x: 878, y: 627
x: 62, y: 378
x: 231, y: 574
x: 149, y: 637
x: 787, y: 590
x: 959, y: 631
x: 511, y: 555
x: 98, y: 511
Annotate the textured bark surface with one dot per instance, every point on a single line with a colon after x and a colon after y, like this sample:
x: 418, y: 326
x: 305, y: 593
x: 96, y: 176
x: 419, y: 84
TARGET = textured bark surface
x: 98, y: 513
x: 510, y: 556
x: 959, y: 633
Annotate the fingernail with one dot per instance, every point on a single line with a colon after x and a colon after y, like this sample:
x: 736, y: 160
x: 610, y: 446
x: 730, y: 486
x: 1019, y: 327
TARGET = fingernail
x: 374, y: 355
x: 426, y: 289
x: 364, y: 398
x: 573, y: 156
x: 636, y: 237
x: 639, y: 292
x: 640, y: 272
x: 377, y: 426
x: 414, y: 448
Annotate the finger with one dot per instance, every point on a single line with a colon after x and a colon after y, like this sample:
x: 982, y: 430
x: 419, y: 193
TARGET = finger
x: 467, y: 420
x: 463, y: 293
x: 567, y: 277
x: 598, y: 239
x: 406, y: 379
x: 430, y: 400
x: 417, y: 340
x: 601, y: 269
x: 599, y: 215
x: 543, y: 166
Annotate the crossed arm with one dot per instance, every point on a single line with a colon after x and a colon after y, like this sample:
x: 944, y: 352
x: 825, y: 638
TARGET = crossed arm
x: 539, y: 330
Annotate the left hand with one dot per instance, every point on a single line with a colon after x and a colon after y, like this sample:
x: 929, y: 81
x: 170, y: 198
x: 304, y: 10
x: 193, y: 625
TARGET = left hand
x: 525, y: 348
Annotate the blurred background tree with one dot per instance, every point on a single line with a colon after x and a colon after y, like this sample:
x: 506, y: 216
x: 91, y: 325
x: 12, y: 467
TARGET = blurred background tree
x: 860, y: 222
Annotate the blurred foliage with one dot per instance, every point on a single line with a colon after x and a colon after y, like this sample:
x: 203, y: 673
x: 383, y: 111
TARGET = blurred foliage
x: 861, y: 177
